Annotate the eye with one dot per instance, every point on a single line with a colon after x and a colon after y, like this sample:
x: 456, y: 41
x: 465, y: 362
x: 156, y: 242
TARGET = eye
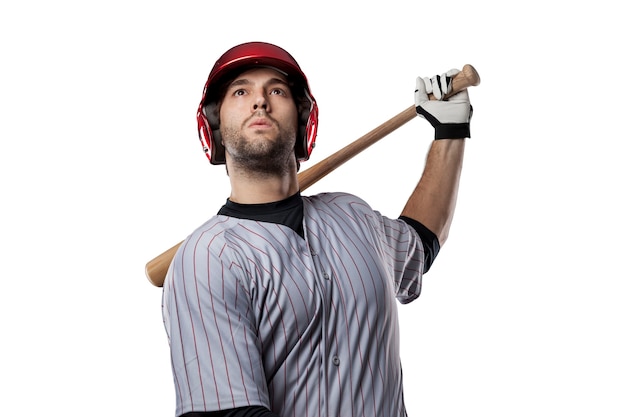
x: 239, y: 92
x: 278, y: 91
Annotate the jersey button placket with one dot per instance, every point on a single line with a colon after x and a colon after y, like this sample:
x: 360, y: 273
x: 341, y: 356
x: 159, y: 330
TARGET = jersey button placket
x: 324, y: 284
x: 319, y: 268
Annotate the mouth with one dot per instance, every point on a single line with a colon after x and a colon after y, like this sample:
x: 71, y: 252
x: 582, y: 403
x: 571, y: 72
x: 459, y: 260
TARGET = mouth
x: 260, y: 124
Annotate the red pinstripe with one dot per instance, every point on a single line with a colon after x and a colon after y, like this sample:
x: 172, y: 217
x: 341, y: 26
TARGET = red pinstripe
x: 260, y: 323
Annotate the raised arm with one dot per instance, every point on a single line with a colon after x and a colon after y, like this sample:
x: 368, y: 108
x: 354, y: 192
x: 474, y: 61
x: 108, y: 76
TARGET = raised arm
x: 433, y: 201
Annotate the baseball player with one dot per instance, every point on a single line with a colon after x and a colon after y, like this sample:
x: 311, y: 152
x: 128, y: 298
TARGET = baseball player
x: 284, y: 304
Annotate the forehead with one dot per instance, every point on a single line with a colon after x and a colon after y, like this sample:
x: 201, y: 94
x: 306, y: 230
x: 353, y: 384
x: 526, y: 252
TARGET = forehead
x: 262, y: 74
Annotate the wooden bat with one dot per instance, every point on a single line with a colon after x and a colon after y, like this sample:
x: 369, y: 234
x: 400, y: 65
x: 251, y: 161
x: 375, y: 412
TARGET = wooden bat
x: 156, y: 269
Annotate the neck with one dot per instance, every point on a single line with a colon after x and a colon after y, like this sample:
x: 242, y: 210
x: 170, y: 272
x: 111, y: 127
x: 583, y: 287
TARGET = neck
x: 250, y: 188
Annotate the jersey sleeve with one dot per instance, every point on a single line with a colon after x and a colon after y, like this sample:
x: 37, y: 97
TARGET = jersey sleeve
x: 404, y: 252
x: 237, y: 412
x: 430, y: 242
x: 399, y: 245
x: 215, y: 353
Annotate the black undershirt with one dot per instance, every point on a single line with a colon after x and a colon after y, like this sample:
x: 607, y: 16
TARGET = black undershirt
x: 288, y: 212
x: 251, y: 411
x: 429, y: 241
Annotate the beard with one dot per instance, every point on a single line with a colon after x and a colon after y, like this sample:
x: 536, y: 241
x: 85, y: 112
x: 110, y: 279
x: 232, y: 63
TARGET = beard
x: 259, y: 155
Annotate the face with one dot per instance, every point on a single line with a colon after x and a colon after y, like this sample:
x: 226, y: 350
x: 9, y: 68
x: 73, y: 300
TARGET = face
x: 259, y: 121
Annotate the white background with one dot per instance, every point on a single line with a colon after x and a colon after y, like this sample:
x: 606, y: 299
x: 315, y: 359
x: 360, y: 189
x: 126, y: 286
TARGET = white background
x: 101, y: 170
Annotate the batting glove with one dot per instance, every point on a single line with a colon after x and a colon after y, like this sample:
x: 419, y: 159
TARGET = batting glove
x: 450, y: 117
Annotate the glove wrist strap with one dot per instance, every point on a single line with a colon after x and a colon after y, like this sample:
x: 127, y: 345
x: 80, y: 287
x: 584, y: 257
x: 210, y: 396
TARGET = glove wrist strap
x: 452, y: 131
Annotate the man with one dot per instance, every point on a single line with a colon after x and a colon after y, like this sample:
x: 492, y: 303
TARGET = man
x: 282, y: 304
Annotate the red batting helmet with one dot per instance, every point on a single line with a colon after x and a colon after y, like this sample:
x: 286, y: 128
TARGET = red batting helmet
x: 233, y: 62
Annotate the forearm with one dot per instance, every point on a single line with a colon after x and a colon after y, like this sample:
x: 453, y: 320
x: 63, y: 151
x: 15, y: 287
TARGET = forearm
x: 433, y: 201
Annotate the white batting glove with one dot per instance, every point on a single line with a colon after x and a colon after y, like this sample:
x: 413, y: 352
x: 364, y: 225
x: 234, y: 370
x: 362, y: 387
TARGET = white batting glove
x: 450, y: 117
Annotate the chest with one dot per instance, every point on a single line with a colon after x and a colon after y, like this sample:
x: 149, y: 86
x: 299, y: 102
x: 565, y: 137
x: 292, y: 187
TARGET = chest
x: 334, y: 281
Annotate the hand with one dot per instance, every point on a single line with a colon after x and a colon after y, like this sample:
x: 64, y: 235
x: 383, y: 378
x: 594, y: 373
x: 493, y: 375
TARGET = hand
x: 450, y: 117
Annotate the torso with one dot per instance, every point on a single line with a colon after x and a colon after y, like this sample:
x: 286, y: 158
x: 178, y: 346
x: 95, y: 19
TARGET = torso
x: 319, y: 312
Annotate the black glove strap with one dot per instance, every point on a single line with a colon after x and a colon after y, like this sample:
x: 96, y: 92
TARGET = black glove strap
x: 452, y: 131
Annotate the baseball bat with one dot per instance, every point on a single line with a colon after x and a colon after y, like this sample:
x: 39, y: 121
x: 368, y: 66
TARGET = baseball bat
x: 156, y: 269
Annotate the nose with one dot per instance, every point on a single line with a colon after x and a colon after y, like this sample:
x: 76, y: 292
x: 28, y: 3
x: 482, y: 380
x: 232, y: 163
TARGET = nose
x: 260, y: 102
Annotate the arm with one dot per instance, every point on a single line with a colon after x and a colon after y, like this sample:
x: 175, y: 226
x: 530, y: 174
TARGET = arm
x: 433, y: 201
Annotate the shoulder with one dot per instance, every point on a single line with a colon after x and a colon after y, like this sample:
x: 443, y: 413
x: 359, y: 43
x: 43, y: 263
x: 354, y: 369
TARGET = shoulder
x: 216, y: 227
x: 337, y: 200
x: 339, y: 210
x: 207, y: 238
x: 207, y: 252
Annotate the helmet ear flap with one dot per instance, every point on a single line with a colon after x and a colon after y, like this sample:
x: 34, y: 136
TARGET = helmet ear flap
x: 210, y: 135
x: 211, y: 112
x: 307, y: 126
x: 301, y: 149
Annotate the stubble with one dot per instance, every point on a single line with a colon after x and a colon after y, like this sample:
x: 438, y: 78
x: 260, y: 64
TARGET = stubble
x: 259, y: 155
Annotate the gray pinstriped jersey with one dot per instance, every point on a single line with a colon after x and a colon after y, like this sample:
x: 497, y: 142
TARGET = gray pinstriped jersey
x: 256, y: 315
